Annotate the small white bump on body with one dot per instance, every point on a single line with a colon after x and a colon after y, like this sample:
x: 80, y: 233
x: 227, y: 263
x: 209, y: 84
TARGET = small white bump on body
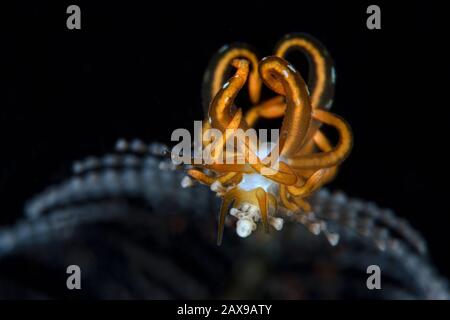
x: 187, y: 182
x: 277, y: 223
x: 234, y: 212
x: 244, y: 227
x: 314, y: 228
x: 216, y: 186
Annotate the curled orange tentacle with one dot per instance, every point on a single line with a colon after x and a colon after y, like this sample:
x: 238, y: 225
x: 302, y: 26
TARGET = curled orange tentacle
x: 332, y: 157
x: 282, y: 78
x: 222, y: 109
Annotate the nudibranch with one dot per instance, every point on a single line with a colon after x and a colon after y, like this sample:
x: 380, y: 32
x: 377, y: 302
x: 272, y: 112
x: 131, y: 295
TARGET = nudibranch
x: 254, y: 191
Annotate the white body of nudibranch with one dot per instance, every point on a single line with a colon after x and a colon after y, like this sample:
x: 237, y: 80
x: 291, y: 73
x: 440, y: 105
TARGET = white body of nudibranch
x: 249, y: 215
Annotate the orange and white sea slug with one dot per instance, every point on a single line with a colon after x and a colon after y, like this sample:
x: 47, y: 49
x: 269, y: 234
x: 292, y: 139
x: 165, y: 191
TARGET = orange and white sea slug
x: 255, y: 188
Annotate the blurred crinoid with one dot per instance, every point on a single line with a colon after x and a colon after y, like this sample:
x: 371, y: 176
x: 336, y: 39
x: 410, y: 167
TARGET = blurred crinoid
x: 135, y: 233
x: 257, y: 179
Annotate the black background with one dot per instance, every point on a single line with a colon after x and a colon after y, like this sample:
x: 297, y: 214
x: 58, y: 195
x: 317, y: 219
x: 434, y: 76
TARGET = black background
x: 135, y: 70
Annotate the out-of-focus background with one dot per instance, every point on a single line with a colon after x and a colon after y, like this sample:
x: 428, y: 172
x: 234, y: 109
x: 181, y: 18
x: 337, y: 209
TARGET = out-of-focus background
x: 135, y: 70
